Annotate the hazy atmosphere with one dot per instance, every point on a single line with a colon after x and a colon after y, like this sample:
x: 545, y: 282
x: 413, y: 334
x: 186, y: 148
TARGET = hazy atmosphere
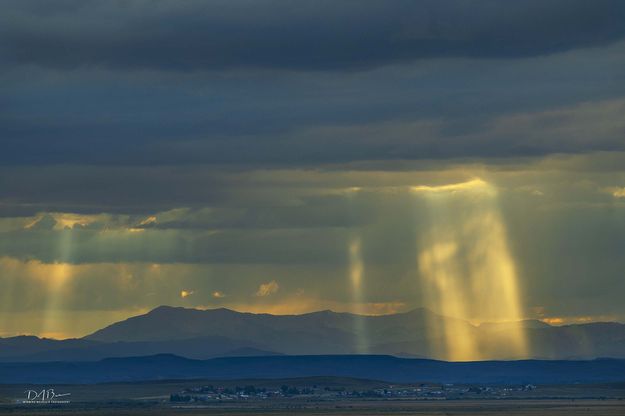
x: 360, y: 156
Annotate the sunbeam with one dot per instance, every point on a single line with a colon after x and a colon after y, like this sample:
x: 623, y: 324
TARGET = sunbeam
x: 56, y: 281
x: 356, y: 274
x: 467, y: 270
x: 356, y: 270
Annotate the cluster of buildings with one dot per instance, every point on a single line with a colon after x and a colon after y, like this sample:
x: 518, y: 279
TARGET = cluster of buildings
x: 212, y: 393
x: 422, y: 391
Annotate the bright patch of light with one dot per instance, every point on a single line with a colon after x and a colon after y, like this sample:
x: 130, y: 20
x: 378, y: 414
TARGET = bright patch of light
x: 467, y: 270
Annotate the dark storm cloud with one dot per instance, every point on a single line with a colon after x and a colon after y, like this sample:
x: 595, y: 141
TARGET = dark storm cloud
x: 160, y: 146
x: 230, y: 83
x: 291, y: 246
x: 198, y: 35
x: 89, y: 189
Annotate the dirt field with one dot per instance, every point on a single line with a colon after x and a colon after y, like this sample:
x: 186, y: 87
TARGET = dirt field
x: 487, y: 407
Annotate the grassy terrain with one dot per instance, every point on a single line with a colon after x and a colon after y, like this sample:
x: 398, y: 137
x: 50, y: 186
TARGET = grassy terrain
x: 423, y: 408
x: 153, y: 398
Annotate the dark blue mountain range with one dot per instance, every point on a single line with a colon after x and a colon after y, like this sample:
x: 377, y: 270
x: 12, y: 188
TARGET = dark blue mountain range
x: 378, y: 367
x: 203, y: 334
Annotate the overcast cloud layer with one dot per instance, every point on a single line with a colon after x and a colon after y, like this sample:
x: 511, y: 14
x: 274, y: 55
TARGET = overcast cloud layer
x: 215, y: 147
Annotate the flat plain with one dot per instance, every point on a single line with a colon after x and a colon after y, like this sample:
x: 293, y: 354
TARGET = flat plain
x: 154, y: 398
x: 344, y: 408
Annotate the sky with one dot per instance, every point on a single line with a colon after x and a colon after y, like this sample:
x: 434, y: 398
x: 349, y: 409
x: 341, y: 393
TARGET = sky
x: 286, y: 157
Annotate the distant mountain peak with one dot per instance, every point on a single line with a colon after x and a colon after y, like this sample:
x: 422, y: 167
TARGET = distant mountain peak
x: 173, y: 309
x: 525, y: 323
x: 159, y: 358
x: 205, y: 333
x: 163, y: 308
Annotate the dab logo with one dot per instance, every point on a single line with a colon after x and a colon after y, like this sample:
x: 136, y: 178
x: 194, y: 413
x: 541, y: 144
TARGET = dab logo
x: 45, y: 396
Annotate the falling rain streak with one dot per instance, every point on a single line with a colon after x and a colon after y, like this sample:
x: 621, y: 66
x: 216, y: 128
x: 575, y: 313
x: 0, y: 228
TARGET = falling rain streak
x: 57, y: 282
x: 467, y: 270
x: 355, y: 275
x: 356, y: 270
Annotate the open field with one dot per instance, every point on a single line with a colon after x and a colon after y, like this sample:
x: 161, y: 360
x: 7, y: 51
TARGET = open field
x: 153, y: 398
x: 340, y: 408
